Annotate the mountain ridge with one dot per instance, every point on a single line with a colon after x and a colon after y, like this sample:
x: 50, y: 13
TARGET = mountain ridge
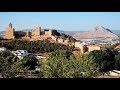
x: 96, y: 32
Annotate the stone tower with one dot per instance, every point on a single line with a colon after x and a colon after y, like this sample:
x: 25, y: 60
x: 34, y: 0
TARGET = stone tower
x: 38, y: 31
x: 9, y: 33
x: 48, y: 32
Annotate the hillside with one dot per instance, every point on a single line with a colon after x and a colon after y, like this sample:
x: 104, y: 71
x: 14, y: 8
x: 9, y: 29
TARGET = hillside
x: 96, y: 32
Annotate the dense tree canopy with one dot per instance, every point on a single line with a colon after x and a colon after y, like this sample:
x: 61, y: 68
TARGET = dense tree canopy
x: 34, y: 46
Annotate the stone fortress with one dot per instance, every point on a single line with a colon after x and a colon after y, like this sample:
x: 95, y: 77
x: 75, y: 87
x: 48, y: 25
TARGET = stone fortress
x: 35, y: 35
x: 47, y: 34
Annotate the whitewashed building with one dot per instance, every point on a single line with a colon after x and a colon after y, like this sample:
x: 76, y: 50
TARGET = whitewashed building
x: 20, y: 53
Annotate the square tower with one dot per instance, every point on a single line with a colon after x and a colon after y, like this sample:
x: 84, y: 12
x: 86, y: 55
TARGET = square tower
x: 37, y: 32
x: 9, y: 33
x: 48, y: 32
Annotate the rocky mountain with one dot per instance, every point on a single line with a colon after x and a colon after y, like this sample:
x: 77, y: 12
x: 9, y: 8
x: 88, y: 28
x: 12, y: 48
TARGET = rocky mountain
x: 96, y: 32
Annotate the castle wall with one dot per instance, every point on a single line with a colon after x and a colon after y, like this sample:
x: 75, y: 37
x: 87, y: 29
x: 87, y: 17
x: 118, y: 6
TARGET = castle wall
x: 93, y: 47
x: 86, y: 48
x: 26, y: 38
x: 28, y: 34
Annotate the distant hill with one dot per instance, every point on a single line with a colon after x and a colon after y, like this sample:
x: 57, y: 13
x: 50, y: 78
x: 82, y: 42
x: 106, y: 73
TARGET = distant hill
x: 2, y: 32
x: 117, y: 32
x: 96, y: 32
x: 25, y: 30
x: 69, y: 32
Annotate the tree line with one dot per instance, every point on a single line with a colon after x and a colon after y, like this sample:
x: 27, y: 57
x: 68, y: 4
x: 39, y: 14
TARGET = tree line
x: 34, y: 46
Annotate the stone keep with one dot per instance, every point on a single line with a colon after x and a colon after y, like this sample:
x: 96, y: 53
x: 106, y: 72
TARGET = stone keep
x: 9, y: 34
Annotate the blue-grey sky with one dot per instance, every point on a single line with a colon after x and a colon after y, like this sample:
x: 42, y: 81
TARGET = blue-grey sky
x: 60, y: 20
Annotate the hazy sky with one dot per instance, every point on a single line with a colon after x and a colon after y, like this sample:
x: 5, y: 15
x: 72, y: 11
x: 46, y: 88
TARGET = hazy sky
x: 60, y: 20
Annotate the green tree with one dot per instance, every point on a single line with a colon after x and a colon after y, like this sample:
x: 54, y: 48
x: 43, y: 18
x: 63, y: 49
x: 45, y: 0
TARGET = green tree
x: 29, y: 62
x: 105, y: 60
x: 59, y: 67
x: 60, y: 54
x: 10, y: 66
